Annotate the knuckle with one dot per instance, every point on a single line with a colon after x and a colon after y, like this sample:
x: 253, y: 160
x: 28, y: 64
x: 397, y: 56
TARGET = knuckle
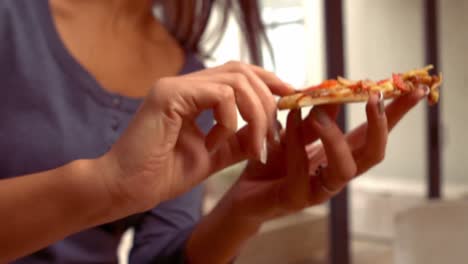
x: 226, y: 93
x: 232, y: 62
x: 162, y: 95
x: 239, y: 80
x: 352, y: 170
x: 162, y: 86
x: 163, y: 82
x: 375, y: 157
x: 158, y: 90
x: 349, y: 172
x: 379, y: 157
x: 272, y: 76
x: 332, y: 137
x: 235, y: 64
x: 243, y: 67
x: 171, y: 107
x: 341, y: 146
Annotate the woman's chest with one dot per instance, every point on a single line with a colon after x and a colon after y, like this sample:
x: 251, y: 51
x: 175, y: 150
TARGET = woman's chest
x: 125, y: 63
x: 48, y: 123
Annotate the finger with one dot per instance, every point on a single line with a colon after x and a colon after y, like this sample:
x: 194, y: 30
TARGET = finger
x: 315, y: 151
x: 191, y: 99
x: 310, y: 135
x: 373, y: 150
x: 317, y: 191
x: 217, y: 136
x: 316, y: 155
x: 258, y: 87
x: 297, y: 175
x: 250, y: 107
x: 400, y: 106
x: 274, y: 83
x: 195, y: 160
x: 224, y: 110
x: 232, y: 151
x: 295, y: 151
x: 226, y: 116
x: 395, y: 111
x: 267, y: 100
x: 235, y: 149
x: 341, y: 165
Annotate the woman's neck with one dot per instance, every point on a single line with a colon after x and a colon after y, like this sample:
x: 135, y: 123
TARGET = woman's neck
x: 122, y: 46
x: 113, y: 15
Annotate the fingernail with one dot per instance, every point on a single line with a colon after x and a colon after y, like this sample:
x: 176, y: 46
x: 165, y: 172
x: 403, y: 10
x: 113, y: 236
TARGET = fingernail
x: 381, y: 104
x: 264, y: 153
x: 322, y: 117
x: 276, y: 135
x: 289, y: 86
x: 276, y: 129
x: 424, y: 90
x: 427, y: 90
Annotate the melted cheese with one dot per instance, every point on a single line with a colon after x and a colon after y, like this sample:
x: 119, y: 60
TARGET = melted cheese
x: 418, y: 72
x: 384, y: 87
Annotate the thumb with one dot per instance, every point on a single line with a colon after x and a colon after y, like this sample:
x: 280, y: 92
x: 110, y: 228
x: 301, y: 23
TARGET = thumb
x: 231, y: 151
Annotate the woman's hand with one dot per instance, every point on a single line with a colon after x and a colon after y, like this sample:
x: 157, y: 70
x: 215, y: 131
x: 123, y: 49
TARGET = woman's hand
x: 301, y: 174
x: 163, y: 153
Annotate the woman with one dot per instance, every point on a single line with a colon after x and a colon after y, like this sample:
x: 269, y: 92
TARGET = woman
x: 99, y: 127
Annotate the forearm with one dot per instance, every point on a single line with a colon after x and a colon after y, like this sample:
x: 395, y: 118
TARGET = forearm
x: 41, y: 208
x: 219, y: 237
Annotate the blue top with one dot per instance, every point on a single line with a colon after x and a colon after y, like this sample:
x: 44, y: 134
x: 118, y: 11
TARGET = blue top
x: 52, y: 111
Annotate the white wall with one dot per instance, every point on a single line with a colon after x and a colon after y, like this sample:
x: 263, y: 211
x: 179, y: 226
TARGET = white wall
x: 454, y: 44
x: 384, y: 36
x: 387, y: 35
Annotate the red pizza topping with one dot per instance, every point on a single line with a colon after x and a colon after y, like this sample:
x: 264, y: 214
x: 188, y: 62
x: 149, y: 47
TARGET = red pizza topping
x: 399, y: 83
x: 356, y: 87
x: 329, y: 84
x: 324, y: 85
x: 312, y: 88
x: 383, y: 81
x: 367, y: 84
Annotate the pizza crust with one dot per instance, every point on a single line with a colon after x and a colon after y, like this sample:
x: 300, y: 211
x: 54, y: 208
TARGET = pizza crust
x: 295, y: 101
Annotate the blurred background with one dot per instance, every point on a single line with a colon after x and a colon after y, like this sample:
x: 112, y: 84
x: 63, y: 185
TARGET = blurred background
x: 390, y: 218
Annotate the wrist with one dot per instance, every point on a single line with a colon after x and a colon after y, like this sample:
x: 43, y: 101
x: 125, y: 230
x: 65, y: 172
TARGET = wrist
x: 234, y: 211
x: 219, y: 237
x: 107, y: 173
x: 243, y: 207
x: 234, y: 216
x: 100, y: 178
x: 89, y: 194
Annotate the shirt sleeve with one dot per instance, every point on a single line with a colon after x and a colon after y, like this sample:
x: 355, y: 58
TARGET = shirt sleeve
x: 162, y: 233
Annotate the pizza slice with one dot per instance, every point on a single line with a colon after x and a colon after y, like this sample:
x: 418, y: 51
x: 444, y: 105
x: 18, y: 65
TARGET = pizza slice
x: 342, y: 91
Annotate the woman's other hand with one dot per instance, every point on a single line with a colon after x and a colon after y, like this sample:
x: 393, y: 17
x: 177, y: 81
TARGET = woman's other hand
x: 301, y: 174
x: 163, y: 153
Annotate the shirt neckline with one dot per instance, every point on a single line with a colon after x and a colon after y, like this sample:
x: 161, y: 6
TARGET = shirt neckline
x: 90, y: 84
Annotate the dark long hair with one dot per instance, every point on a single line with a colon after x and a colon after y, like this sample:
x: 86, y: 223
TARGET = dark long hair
x: 187, y: 20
